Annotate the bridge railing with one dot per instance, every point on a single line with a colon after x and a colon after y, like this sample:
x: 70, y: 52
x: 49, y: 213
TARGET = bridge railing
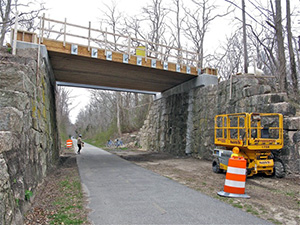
x: 96, y: 38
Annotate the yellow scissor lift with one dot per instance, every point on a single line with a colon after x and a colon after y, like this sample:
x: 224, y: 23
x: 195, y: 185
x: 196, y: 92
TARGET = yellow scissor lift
x: 256, y: 135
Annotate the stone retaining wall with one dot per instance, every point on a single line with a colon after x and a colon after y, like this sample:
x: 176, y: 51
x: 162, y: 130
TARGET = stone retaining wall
x: 28, y: 134
x: 184, y: 123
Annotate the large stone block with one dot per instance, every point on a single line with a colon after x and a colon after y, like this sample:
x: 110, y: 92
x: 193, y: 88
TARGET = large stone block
x: 296, y: 139
x: 11, y: 77
x: 284, y: 108
x: 255, y: 90
x: 4, y: 175
x: 278, y: 97
x: 14, y: 99
x: 291, y: 123
x: 11, y: 119
x: 6, y: 141
x: 291, y: 151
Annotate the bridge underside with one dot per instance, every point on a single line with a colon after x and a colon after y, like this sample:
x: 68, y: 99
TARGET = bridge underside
x: 86, y: 71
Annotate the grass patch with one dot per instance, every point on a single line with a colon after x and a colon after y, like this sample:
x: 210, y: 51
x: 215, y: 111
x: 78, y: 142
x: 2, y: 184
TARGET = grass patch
x: 60, y: 199
x: 230, y: 201
x: 250, y: 209
x: 291, y: 193
x: 190, y: 180
x: 199, y: 189
x: 237, y: 205
x: 274, y: 221
x: 70, y: 205
x: 64, y: 218
x: 100, y: 139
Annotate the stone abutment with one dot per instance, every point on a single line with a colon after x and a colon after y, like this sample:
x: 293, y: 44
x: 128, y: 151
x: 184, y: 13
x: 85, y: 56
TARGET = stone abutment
x: 183, y: 123
x: 29, y: 145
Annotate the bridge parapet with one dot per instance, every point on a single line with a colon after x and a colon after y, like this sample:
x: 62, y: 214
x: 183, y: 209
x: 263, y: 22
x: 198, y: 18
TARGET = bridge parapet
x: 95, y: 39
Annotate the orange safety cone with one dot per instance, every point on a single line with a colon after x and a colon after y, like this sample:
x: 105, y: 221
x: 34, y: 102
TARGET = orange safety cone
x: 69, y: 143
x: 235, y: 178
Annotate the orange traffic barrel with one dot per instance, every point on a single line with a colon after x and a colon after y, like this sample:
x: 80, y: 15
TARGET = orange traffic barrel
x: 69, y: 143
x: 235, y: 178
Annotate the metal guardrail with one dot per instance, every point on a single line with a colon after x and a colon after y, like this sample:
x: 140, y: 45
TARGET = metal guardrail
x: 95, y: 38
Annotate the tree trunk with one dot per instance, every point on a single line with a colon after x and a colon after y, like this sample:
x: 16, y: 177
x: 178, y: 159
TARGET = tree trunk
x: 280, y: 48
x: 5, y: 20
x: 291, y: 50
x: 297, y: 53
x: 136, y: 99
x: 118, y: 113
x: 245, y: 38
x: 178, y: 31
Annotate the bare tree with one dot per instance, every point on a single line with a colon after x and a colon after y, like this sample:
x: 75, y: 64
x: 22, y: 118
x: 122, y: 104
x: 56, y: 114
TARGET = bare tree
x: 155, y: 13
x: 245, y: 38
x: 291, y: 50
x: 197, y: 22
x: 29, y: 11
x: 176, y: 28
x: 133, y: 28
x: 5, y: 18
x: 280, y: 47
x: 112, y: 17
x: 230, y: 60
x: 119, y: 113
x: 64, y: 107
x: 266, y: 33
x: 112, y: 113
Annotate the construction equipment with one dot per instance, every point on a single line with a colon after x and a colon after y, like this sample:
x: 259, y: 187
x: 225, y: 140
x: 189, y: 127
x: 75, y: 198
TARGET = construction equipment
x: 254, y: 136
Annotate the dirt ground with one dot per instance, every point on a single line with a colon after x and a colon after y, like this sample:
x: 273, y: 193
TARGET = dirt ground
x: 272, y: 199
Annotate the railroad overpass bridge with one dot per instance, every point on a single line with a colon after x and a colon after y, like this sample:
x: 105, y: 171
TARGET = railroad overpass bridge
x: 86, y: 57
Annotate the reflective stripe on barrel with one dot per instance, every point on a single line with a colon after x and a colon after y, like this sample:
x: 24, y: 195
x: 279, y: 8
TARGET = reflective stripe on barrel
x: 69, y: 143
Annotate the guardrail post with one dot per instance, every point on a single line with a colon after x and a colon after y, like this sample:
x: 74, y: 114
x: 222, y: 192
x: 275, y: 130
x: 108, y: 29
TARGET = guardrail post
x: 129, y: 45
x: 146, y: 51
x: 89, y: 37
x: 43, y: 26
x: 181, y: 58
x: 65, y: 31
x: 15, y: 34
x: 105, y: 37
x: 39, y: 46
x: 162, y: 53
x: 187, y: 57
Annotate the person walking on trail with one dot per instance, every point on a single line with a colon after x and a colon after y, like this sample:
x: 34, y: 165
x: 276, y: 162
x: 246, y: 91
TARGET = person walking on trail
x: 79, y: 143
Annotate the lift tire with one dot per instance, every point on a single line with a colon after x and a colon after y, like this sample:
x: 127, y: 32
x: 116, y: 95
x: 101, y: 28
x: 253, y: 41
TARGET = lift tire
x: 279, y: 170
x: 216, y: 166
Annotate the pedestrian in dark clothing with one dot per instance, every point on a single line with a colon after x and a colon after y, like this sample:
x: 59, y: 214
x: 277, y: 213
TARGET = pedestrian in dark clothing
x: 79, y: 143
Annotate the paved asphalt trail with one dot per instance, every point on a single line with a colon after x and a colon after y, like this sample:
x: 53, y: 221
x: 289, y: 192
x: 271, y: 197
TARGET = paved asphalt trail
x: 121, y: 192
